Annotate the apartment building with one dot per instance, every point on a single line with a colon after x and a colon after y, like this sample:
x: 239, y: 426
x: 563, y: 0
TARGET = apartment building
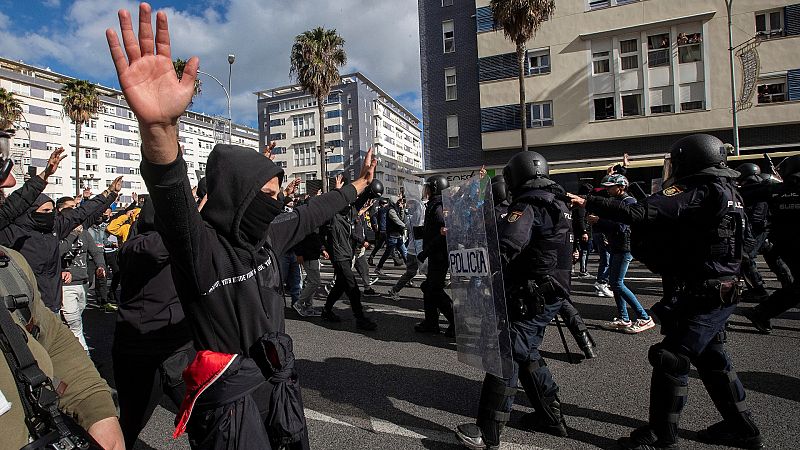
x: 606, y: 77
x: 109, y: 142
x: 359, y: 115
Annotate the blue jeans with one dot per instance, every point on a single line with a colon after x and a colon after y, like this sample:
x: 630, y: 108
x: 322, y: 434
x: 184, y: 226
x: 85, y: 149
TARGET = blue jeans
x: 617, y: 269
x: 290, y: 271
x: 393, y: 243
x: 602, y: 252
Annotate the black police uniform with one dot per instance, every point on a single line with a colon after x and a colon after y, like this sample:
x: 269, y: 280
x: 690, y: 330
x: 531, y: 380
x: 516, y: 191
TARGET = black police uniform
x: 784, y: 204
x: 434, y: 249
x: 691, y: 234
x: 533, y: 233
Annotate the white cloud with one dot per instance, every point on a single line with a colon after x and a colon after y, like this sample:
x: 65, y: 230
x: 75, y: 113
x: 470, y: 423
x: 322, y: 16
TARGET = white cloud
x: 382, y: 40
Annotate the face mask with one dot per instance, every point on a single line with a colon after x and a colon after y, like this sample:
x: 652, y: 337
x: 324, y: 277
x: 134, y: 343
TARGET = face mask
x: 259, y: 214
x: 43, y: 221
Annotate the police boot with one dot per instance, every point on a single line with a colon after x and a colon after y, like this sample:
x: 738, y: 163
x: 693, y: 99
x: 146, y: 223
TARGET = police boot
x: 496, y: 401
x: 586, y: 343
x: 756, y: 294
x: 548, y: 417
x: 667, y: 398
x: 737, y: 428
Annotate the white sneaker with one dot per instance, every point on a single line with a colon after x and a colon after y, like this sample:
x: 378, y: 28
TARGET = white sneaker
x: 640, y: 325
x: 374, y: 280
x: 602, y: 290
x: 300, y: 309
x: 617, y: 325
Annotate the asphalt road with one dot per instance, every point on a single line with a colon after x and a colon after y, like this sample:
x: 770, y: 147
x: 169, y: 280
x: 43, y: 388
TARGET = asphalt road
x: 396, y: 389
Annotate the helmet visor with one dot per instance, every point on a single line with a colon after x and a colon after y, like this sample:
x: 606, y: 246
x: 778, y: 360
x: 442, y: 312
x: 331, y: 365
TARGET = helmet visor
x: 667, y: 174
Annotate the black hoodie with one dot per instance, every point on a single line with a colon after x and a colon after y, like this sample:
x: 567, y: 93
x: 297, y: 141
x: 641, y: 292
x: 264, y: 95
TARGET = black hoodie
x: 229, y: 288
x: 150, y: 319
x: 41, y: 249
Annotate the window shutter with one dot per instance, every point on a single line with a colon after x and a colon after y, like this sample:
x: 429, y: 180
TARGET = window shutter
x: 791, y: 20
x: 501, y: 118
x: 484, y: 19
x: 793, y: 84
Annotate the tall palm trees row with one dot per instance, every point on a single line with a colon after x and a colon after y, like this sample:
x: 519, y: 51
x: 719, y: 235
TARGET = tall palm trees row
x: 315, y: 59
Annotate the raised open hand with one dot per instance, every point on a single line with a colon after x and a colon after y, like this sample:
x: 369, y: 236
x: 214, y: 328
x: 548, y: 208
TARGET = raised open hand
x: 116, y: 185
x: 55, y: 159
x: 268, y: 150
x: 339, y: 181
x: 291, y: 187
x: 147, y: 76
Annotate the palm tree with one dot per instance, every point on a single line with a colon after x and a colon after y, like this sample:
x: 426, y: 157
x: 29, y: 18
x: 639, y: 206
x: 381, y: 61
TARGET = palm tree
x: 179, y: 65
x: 315, y: 60
x: 10, y: 109
x: 520, y: 20
x: 81, y: 101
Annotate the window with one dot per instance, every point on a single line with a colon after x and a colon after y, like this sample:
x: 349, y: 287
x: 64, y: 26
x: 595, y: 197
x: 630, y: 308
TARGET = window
x: 772, y: 90
x: 111, y: 169
x: 450, y: 90
x: 448, y: 36
x: 658, y: 50
x: 452, y: 131
x: 539, y: 62
x: 604, y: 108
x: 631, y: 105
x: 692, y: 96
x: 688, y: 106
x: 661, y: 100
x: 334, y: 114
x: 277, y: 136
x: 629, y: 54
x: 277, y: 122
x: 769, y: 24
x: 690, y: 48
x: 541, y: 115
x: 303, y: 125
x: 601, y: 63
x: 447, y: 3
x: 596, y: 4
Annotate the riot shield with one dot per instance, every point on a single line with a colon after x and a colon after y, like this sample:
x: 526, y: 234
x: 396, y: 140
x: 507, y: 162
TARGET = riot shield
x: 415, y: 219
x: 476, y: 278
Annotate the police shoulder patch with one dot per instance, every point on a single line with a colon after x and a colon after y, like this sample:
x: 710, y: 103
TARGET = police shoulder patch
x: 514, y: 216
x: 672, y: 191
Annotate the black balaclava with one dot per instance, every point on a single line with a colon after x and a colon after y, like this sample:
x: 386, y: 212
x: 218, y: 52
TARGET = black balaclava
x: 257, y: 217
x: 43, y: 221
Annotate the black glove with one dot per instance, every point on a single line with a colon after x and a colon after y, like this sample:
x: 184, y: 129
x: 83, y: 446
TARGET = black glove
x: 421, y: 256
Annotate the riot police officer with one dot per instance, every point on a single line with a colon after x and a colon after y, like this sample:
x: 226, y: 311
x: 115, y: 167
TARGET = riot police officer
x: 784, y: 204
x: 757, y: 212
x: 532, y: 237
x: 569, y: 313
x: 434, y: 249
x: 691, y: 234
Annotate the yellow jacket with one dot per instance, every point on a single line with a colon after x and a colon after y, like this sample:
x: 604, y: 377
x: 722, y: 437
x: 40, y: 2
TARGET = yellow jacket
x: 121, y: 226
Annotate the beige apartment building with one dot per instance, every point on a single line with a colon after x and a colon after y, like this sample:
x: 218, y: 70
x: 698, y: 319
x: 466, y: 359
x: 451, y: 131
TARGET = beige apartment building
x: 607, y: 77
x: 109, y: 142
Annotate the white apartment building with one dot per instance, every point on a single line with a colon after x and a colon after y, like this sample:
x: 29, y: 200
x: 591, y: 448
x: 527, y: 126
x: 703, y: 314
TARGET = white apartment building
x: 358, y: 116
x: 109, y: 142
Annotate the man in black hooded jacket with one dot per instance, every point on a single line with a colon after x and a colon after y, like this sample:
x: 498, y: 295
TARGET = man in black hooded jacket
x: 36, y: 235
x: 242, y: 389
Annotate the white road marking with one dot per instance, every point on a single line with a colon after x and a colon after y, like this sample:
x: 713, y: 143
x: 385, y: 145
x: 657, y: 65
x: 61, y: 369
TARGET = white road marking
x: 385, y: 427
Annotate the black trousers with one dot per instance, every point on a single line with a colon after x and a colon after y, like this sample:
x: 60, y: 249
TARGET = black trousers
x: 345, y: 284
x: 141, y: 380
x: 434, y: 297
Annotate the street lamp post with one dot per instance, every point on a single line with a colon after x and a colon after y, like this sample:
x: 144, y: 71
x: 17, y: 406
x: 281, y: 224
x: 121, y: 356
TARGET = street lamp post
x: 231, y: 59
x: 228, y: 95
x: 729, y: 4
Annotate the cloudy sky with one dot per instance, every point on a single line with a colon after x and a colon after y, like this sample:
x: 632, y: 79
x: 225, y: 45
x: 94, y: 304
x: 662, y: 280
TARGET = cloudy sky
x: 382, y: 41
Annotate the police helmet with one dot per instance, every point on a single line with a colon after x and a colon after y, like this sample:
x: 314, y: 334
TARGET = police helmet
x: 524, y: 167
x: 499, y: 189
x: 383, y: 201
x: 375, y: 189
x: 437, y: 183
x: 789, y: 166
x: 749, y: 173
x: 700, y: 154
